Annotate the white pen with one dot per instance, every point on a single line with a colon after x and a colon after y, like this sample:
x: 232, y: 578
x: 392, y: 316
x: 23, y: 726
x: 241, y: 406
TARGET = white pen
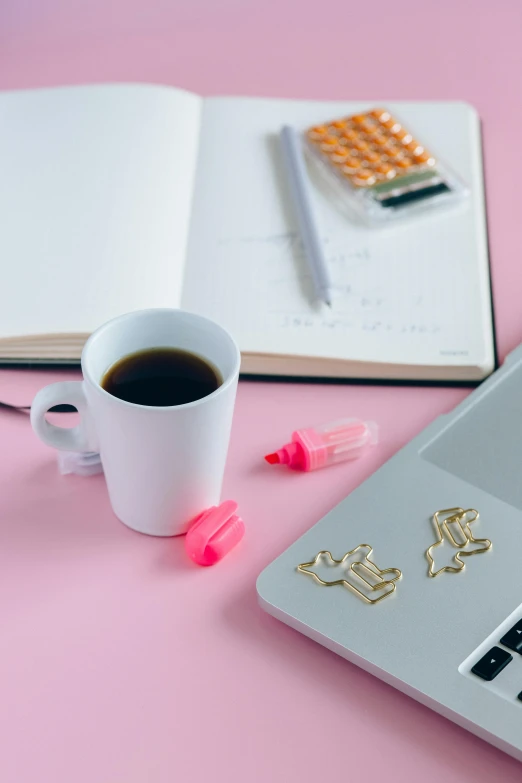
x: 301, y: 193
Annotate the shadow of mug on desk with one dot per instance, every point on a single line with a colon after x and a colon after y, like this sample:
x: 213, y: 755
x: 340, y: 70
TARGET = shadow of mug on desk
x: 163, y: 464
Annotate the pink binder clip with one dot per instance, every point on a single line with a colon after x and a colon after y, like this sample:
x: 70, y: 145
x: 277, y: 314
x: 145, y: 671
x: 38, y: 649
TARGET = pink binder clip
x: 214, y: 533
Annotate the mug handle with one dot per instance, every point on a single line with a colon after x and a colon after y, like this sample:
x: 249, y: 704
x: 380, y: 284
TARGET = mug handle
x: 79, y: 438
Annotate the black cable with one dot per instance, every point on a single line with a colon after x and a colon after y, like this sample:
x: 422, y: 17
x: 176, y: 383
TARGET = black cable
x: 27, y: 408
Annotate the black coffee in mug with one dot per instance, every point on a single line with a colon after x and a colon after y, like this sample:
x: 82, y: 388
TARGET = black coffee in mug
x: 161, y: 377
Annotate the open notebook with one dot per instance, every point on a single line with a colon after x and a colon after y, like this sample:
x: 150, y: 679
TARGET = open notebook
x: 122, y: 197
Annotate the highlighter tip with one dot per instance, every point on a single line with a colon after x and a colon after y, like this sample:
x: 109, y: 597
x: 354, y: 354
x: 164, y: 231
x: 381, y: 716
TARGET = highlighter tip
x: 272, y: 459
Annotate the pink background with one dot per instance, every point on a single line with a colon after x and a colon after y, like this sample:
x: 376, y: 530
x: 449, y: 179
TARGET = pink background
x: 122, y: 663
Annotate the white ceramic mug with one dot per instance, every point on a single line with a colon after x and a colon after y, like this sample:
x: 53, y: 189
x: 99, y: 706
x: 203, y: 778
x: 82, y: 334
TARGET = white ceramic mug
x: 163, y: 465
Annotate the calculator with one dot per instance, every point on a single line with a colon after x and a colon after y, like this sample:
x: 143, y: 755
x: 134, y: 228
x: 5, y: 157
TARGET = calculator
x: 380, y: 167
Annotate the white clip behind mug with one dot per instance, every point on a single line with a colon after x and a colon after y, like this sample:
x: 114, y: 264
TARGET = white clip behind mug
x: 81, y: 463
x: 163, y: 465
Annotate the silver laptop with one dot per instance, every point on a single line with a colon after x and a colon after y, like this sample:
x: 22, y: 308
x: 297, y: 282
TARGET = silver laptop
x: 453, y: 640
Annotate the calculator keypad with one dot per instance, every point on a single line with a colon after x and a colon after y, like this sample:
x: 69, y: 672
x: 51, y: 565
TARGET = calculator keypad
x: 370, y: 148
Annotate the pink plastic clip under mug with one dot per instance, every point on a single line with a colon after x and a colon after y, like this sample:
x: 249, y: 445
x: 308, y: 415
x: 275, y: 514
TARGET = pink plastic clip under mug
x: 214, y: 533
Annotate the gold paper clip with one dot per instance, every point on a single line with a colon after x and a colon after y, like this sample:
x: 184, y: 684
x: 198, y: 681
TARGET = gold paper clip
x: 460, y: 519
x: 360, y: 570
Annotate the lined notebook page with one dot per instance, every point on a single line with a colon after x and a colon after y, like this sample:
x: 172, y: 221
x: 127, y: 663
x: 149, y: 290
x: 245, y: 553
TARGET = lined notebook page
x: 414, y: 293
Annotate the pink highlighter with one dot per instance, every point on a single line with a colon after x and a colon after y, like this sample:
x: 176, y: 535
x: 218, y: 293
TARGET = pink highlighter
x: 328, y: 444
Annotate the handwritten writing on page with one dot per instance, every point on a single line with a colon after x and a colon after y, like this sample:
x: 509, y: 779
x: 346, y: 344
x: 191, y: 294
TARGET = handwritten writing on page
x: 408, y: 293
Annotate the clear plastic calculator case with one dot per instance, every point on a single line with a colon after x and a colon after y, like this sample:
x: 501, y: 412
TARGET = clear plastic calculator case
x: 379, y: 168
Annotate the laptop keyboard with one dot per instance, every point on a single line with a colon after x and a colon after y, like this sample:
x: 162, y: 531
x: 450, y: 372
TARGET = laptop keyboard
x: 513, y: 638
x: 497, y: 662
x: 492, y: 663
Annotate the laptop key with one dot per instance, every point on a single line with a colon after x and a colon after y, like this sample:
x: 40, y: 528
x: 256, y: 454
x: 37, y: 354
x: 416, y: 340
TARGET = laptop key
x: 513, y: 638
x: 492, y: 664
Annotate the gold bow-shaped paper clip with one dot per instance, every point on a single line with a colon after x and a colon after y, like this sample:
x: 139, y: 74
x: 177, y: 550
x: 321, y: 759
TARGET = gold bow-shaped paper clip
x: 363, y: 571
x: 460, y: 519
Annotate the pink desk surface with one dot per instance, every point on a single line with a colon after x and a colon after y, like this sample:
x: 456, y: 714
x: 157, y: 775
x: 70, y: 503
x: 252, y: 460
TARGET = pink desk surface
x: 121, y: 662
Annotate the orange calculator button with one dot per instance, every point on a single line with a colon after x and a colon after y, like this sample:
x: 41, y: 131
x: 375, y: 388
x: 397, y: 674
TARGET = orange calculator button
x: 340, y: 154
x: 360, y: 145
x: 365, y: 177
x: 415, y: 147
x: 393, y: 151
x: 424, y: 157
x: 392, y: 125
x: 329, y: 142
x: 318, y: 131
x: 386, y: 169
x: 349, y: 134
x: 380, y: 114
x: 352, y: 164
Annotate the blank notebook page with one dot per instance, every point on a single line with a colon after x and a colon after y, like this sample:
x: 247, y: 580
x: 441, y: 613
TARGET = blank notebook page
x: 95, y: 198
x: 413, y: 293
